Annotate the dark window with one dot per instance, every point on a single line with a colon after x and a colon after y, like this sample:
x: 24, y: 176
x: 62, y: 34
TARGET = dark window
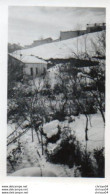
x: 31, y: 69
x: 44, y: 70
x: 36, y: 71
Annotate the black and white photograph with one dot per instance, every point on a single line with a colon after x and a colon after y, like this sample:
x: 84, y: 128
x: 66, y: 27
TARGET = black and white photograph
x: 56, y: 91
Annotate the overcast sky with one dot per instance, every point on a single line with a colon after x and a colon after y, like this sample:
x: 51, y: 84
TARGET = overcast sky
x: 31, y: 23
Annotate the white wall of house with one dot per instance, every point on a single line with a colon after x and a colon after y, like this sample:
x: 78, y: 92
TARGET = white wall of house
x: 35, y: 69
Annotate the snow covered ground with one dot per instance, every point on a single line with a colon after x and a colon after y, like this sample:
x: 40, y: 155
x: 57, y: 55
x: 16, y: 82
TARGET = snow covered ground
x: 31, y: 155
x: 95, y: 130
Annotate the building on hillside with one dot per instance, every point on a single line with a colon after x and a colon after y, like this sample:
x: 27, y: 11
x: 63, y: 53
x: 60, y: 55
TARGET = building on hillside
x: 95, y: 27
x: 32, y: 66
x: 71, y: 34
x: 39, y: 42
x: 42, y: 41
x: 89, y: 29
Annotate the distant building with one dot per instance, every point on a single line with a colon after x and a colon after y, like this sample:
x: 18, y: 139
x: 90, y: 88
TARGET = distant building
x: 39, y: 42
x: 31, y: 65
x: 89, y: 29
x: 42, y: 41
x: 71, y: 34
x: 95, y: 27
x: 14, y: 47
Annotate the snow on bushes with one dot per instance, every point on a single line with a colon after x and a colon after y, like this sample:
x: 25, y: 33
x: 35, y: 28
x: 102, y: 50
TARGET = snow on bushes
x: 14, y: 154
x: 69, y: 151
x: 51, y: 128
x: 63, y: 147
x: 64, y: 150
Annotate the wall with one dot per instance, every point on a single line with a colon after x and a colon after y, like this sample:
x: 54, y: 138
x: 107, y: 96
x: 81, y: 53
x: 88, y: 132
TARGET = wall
x: 14, y: 61
x: 96, y: 27
x: 68, y: 34
x: 40, y: 42
x: 89, y: 28
x: 71, y: 34
x: 40, y: 69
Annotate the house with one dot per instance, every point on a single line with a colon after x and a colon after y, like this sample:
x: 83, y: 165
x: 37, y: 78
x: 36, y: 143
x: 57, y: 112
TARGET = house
x: 32, y: 65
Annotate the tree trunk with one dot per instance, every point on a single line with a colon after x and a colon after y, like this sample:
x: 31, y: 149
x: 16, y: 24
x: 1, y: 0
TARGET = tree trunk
x: 103, y: 116
x: 42, y: 142
x: 32, y: 134
x: 38, y: 137
x: 86, y: 129
x: 42, y: 145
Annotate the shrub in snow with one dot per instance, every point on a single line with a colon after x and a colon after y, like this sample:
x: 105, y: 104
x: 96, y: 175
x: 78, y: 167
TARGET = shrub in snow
x: 90, y: 108
x: 68, y: 151
x: 67, y: 118
x: 52, y: 146
x: 14, y: 154
x: 54, y: 138
x: 64, y: 152
x: 51, y: 131
x: 88, y: 105
x: 86, y: 164
x: 70, y: 119
x: 45, y: 92
x: 59, y: 115
x: 51, y: 128
x: 57, y: 89
x: 100, y: 160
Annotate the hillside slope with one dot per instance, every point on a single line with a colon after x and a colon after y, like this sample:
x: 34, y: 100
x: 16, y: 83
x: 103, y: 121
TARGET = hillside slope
x: 64, y: 49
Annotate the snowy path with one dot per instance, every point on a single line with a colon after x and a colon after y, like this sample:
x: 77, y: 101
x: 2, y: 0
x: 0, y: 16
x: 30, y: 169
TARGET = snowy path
x: 30, y: 158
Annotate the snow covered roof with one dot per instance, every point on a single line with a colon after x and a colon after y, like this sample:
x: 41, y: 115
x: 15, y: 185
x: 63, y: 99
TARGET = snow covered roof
x: 27, y: 58
x: 64, y: 49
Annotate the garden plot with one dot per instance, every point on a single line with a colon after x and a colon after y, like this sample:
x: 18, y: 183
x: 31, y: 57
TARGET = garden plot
x: 31, y: 154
